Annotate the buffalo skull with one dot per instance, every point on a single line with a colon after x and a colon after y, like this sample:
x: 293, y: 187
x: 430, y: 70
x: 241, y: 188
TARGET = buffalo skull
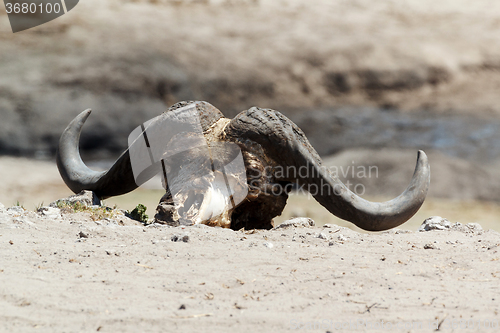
x: 268, y: 144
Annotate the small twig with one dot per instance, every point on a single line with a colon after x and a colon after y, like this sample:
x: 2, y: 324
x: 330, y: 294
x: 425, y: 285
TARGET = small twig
x: 441, y: 323
x: 368, y: 308
x: 356, y: 302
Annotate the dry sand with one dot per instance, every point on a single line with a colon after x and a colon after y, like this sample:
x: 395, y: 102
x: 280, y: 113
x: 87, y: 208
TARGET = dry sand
x: 74, y: 274
x: 121, y: 276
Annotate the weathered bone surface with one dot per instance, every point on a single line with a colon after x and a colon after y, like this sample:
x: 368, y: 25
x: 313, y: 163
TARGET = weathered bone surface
x: 273, y: 149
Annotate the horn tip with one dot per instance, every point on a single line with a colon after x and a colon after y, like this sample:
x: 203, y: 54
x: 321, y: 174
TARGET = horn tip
x: 84, y: 115
x: 421, y: 155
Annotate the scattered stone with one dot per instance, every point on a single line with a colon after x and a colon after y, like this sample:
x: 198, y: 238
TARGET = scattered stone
x: 180, y: 238
x: 166, y: 214
x: 322, y: 236
x: 112, y: 253
x: 50, y: 212
x: 85, y: 198
x: 182, y: 307
x: 439, y: 223
x: 108, y: 221
x: 430, y: 246
x: 328, y: 225
x: 15, y: 210
x: 81, y: 234
x: 297, y: 222
x: 23, y: 221
x: 341, y: 238
x: 268, y: 245
x: 435, y: 223
x: 474, y: 228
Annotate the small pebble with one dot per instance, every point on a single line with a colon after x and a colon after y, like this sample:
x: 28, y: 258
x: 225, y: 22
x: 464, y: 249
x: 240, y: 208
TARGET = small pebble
x: 15, y: 210
x: 297, y: 222
x: 50, y: 212
x: 268, y: 245
x: 180, y: 238
x: 435, y: 223
x: 322, y: 236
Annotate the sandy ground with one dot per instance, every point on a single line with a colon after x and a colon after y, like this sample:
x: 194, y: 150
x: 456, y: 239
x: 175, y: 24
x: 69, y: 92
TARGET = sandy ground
x: 129, y: 59
x: 73, y: 274
x: 78, y: 273
x: 34, y: 183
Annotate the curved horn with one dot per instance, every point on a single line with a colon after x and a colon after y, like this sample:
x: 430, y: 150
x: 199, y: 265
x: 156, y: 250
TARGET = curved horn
x: 372, y: 216
x: 118, y: 180
x: 285, y: 143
